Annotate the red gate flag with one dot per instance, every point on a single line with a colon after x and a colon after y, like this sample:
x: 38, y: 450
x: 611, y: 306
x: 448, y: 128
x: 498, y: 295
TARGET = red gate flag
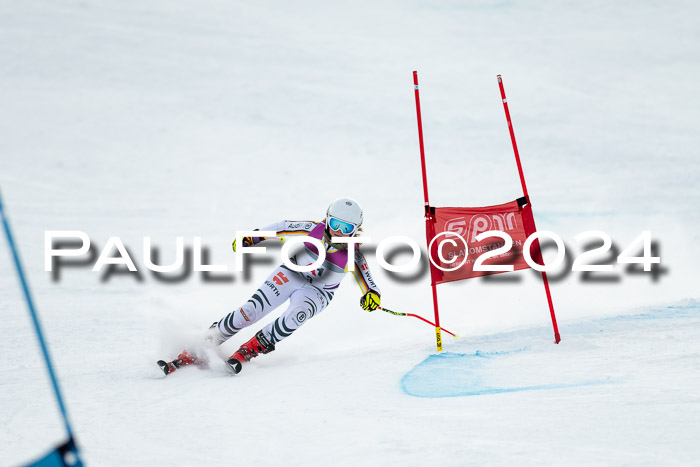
x: 456, y: 258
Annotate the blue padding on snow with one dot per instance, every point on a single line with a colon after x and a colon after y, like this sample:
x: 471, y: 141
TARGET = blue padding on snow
x: 65, y: 455
x: 52, y: 459
x: 450, y: 374
x: 453, y: 375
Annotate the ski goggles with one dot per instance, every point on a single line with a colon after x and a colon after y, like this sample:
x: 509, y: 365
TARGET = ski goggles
x: 345, y: 227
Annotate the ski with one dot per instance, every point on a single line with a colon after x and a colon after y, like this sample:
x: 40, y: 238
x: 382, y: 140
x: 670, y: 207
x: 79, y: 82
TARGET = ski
x: 184, y: 359
x: 234, y: 365
x: 258, y: 344
x: 166, y: 367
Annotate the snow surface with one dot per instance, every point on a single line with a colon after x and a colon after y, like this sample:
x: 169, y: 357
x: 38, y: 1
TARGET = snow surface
x: 167, y: 119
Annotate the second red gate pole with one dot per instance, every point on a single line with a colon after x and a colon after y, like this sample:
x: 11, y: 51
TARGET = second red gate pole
x: 429, y: 228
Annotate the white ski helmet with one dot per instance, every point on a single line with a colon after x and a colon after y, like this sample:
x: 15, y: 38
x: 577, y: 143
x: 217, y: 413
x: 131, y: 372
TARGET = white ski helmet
x: 345, y: 209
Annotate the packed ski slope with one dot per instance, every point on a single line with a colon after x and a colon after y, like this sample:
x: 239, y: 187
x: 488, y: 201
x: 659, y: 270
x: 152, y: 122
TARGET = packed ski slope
x: 164, y: 119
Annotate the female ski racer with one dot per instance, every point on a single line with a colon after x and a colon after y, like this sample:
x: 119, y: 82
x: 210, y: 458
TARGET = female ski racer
x: 308, y: 293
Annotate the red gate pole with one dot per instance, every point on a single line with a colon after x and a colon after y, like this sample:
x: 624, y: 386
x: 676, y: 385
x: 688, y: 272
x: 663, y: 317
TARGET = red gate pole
x: 536, y: 243
x: 429, y: 229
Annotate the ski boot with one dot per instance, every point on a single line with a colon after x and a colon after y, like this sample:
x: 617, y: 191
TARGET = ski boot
x: 184, y: 359
x: 257, y: 345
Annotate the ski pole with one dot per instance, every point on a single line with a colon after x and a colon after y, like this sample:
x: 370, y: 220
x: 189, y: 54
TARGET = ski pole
x: 456, y: 336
